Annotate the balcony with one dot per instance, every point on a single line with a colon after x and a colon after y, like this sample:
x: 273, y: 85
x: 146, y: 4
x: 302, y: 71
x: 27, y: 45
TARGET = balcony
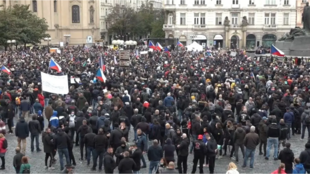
x: 235, y: 6
x: 199, y: 26
x: 270, y: 27
x: 168, y: 27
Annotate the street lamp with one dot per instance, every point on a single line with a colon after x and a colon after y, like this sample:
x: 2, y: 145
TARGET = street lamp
x: 48, y: 39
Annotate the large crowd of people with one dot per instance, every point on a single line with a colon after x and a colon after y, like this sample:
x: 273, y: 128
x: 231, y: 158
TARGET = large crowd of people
x: 177, y: 104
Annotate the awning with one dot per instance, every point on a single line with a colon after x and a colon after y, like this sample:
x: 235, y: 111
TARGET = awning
x: 200, y: 37
x: 218, y: 37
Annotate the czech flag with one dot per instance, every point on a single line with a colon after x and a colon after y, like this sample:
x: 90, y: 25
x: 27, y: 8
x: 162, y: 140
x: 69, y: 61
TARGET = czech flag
x: 159, y: 47
x: 53, y: 65
x: 180, y: 44
x: 101, y: 64
x: 151, y: 45
x: 276, y: 52
x: 100, y: 76
x: 6, y: 70
x: 167, y: 51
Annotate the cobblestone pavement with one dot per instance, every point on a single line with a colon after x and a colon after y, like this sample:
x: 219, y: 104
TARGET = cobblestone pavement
x: 36, y: 159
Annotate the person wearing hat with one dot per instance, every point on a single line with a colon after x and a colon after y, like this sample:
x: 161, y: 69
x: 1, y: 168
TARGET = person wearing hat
x: 199, y: 153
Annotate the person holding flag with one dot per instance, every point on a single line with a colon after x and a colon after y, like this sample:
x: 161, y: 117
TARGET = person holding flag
x: 54, y: 65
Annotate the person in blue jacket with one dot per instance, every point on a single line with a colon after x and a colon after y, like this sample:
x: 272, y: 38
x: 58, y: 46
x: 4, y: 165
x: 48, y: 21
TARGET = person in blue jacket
x: 168, y: 101
x: 54, y: 121
x: 299, y: 167
x: 289, y: 119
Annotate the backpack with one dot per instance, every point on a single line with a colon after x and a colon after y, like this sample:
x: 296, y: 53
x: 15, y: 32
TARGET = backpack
x: 17, y: 101
x: 71, y: 121
x: 5, y: 144
x: 26, y: 171
x: 307, y: 119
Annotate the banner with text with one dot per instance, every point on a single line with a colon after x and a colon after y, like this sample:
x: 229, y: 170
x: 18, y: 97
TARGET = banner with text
x: 54, y: 84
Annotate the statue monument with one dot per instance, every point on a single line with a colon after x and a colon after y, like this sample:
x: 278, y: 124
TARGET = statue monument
x: 297, y: 41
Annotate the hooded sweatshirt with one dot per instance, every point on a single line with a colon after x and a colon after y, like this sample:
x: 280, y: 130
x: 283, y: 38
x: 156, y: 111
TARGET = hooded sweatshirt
x: 54, y: 121
x: 299, y: 169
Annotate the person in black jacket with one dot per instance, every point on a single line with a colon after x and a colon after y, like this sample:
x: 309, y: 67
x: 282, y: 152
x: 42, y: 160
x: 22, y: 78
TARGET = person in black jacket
x: 183, y: 153
x: 100, y: 144
x: 22, y: 132
x: 48, y: 147
x: 195, y: 128
x: 17, y: 161
x: 135, y: 119
x: 212, y: 151
x: 89, y: 143
x: 135, y: 154
x: 78, y: 123
x: 115, y: 138
x: 154, y: 154
x: 287, y: 157
x: 35, y: 130
x: 199, y: 153
x: 93, y: 122
x: 82, y: 131
x: 62, y: 143
x: 126, y: 165
x: 108, y: 161
x: 11, y: 115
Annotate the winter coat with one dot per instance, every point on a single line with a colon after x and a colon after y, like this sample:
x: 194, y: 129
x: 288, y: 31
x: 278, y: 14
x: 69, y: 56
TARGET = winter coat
x: 119, y: 153
x: 127, y: 165
x: 155, y: 153
x: 80, y: 103
x: 108, y: 162
x: 22, y: 129
x: 115, y: 138
x: 101, y: 142
x: 183, y: 147
x: 2, y: 150
x: 37, y: 106
x: 299, y: 169
x: 277, y: 172
x: 288, y: 117
x: 41, y: 100
x: 305, y: 158
x: 263, y: 131
x: 54, y: 121
x: 239, y: 136
x: 34, y: 127
x: 17, y: 161
x: 136, y: 156
x: 141, y: 142
x: 168, y: 101
x: 47, y: 140
x: 287, y: 157
x: 169, y: 150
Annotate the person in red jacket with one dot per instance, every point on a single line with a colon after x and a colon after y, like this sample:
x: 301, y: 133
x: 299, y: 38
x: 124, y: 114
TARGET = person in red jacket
x: 2, y: 151
x: 280, y: 170
x: 41, y: 99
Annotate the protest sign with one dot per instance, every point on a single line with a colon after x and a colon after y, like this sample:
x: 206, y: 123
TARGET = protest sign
x: 55, y: 84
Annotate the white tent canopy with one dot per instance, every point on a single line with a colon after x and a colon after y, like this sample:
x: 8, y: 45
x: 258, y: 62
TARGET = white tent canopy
x: 194, y: 47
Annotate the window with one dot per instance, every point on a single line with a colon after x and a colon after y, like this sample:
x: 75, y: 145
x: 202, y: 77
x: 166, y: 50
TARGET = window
x: 218, y: 2
x: 202, y: 18
x: 196, y: 2
x: 235, y: 2
x: 172, y: 1
x: 270, y: 2
x: 203, y: 2
x: 170, y: 19
x: 106, y: 12
x: 234, y: 18
x: 34, y: 6
x: 304, y: 1
x: 218, y: 19
x: 182, y: 2
x: 251, y: 18
x: 270, y: 18
x: 75, y: 14
x: 285, y: 18
x: 267, y: 16
x: 196, y: 18
x: 182, y: 19
x: 251, y: 2
x: 273, y: 19
x: 286, y: 2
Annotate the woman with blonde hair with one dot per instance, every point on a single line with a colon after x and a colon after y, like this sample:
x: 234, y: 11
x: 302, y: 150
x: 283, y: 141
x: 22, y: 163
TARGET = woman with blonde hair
x: 280, y: 170
x: 232, y: 168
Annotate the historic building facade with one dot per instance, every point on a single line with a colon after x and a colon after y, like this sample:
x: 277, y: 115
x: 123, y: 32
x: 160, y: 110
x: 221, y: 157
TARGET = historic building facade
x: 70, y: 21
x: 229, y: 23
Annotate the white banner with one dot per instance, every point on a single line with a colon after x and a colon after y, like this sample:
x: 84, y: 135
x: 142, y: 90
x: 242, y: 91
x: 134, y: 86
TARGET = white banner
x: 55, y: 84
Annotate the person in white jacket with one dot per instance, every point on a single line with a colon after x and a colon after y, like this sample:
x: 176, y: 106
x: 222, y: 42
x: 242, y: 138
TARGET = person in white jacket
x: 232, y: 168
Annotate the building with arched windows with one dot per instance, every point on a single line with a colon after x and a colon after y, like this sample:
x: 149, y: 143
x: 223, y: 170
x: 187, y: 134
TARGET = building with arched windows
x: 229, y: 23
x: 70, y: 21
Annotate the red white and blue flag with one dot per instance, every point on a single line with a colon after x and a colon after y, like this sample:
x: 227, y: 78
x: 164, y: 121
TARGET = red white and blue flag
x: 180, y: 44
x: 159, y: 47
x: 54, y: 65
x: 167, y: 51
x: 101, y: 64
x: 151, y: 45
x: 100, y: 76
x: 5, y: 70
x: 276, y: 52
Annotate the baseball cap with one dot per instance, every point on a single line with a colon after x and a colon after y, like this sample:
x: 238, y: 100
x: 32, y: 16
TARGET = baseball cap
x: 200, y: 137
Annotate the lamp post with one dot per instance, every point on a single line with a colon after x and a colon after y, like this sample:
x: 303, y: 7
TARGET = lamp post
x: 48, y: 39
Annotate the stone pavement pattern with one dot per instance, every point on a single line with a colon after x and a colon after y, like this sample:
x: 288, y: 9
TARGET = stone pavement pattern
x: 36, y: 159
